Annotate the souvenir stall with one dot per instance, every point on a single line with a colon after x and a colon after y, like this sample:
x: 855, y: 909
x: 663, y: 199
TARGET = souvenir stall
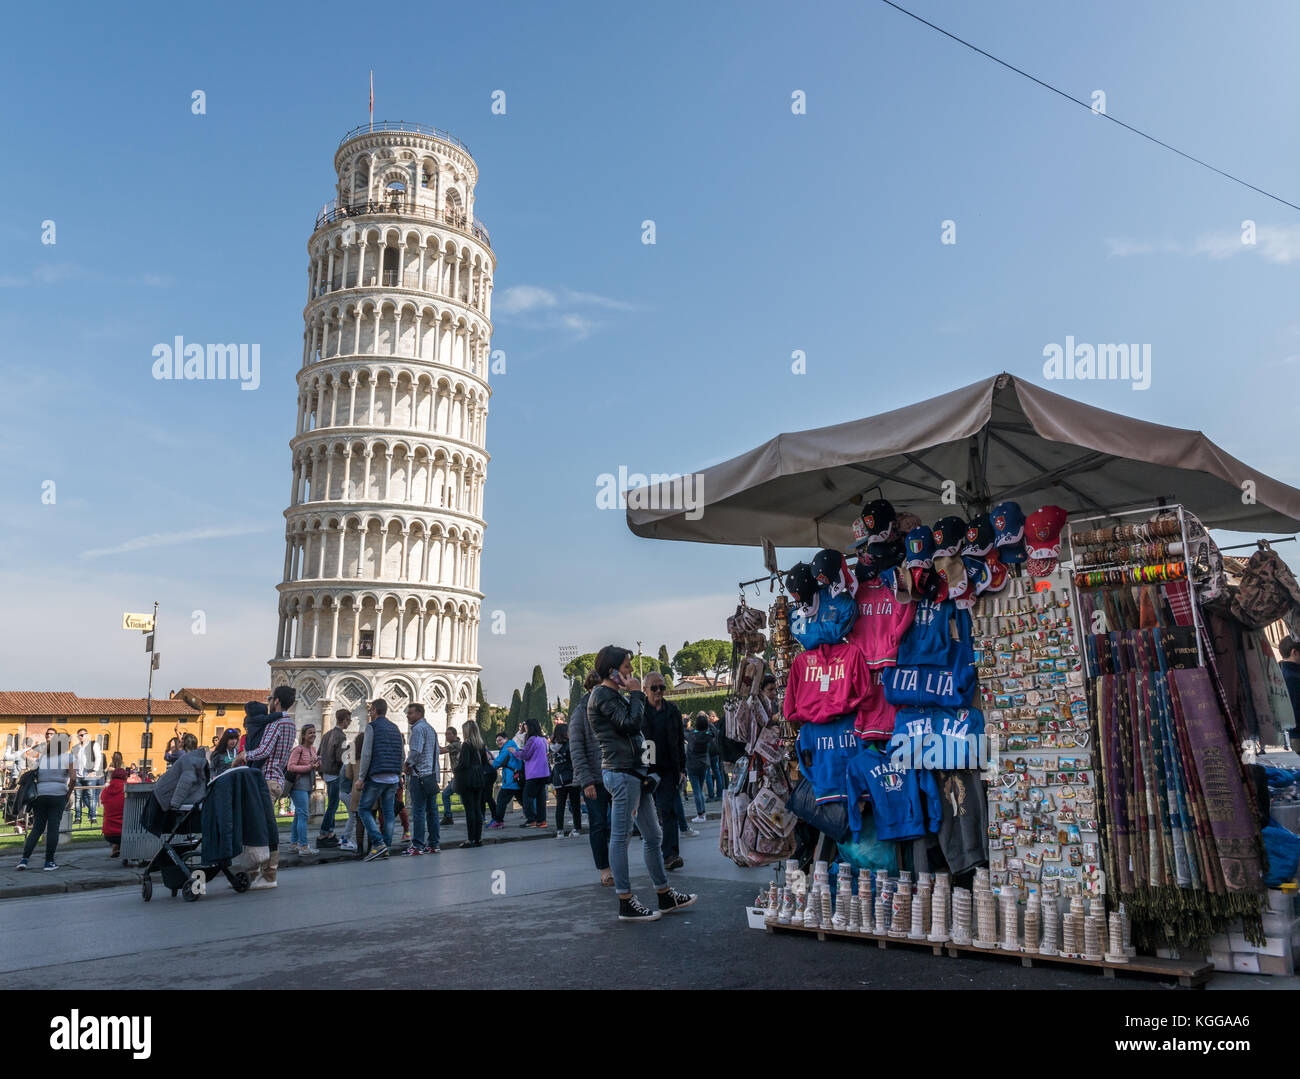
x: 1016, y: 698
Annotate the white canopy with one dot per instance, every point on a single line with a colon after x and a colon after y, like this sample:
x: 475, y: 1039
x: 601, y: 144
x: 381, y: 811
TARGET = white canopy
x: 999, y: 439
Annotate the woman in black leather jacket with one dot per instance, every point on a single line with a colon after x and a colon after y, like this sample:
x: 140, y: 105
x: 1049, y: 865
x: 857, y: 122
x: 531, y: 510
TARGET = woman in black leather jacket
x: 616, y: 721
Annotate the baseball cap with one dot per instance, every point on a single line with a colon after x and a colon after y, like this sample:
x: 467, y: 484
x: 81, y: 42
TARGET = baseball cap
x: 801, y: 583
x: 953, y: 571
x: 860, y: 534
x: 879, y: 518
x: 919, y: 546
x: 1009, y: 527
x: 949, y: 535
x: 997, y: 571
x: 885, y: 556
x: 979, y: 535
x: 1043, y: 532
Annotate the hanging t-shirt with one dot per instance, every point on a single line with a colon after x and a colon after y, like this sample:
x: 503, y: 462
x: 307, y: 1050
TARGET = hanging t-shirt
x: 881, y: 623
x: 904, y: 801
x: 825, y: 750
x: 932, y: 736
x: 825, y: 620
x: 827, y: 683
x: 964, y: 811
x: 929, y: 638
x: 876, y: 715
x: 936, y: 661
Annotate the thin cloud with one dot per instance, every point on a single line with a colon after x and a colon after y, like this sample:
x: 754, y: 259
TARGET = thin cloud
x: 170, y: 539
x: 520, y: 299
x: 1280, y: 246
x: 557, y: 310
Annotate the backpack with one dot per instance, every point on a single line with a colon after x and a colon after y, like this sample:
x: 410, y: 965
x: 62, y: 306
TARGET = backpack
x: 1268, y: 590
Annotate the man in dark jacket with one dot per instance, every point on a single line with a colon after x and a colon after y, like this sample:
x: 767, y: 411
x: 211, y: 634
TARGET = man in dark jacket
x: 584, y: 748
x: 331, y: 767
x: 663, y: 727
x: 1290, y: 666
x: 378, y: 772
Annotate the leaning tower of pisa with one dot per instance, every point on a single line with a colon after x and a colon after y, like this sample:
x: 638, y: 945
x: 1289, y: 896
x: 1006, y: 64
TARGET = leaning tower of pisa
x: 384, y: 529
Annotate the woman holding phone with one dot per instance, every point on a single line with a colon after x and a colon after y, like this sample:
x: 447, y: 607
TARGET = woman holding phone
x: 617, y: 722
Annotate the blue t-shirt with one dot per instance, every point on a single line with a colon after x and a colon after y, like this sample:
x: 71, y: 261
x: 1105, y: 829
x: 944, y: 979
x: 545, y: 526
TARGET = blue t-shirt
x: 929, y: 639
x: 904, y: 801
x: 824, y: 621
x: 825, y: 750
x: 936, y: 737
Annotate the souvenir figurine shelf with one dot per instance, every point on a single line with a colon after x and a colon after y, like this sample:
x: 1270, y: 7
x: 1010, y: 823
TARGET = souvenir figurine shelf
x: 1192, y: 974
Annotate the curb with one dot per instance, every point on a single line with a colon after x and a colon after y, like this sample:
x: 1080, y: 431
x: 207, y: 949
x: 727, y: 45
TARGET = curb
x: 291, y: 861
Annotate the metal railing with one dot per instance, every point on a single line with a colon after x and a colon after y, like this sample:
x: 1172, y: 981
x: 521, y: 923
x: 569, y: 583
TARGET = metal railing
x: 408, y: 126
x: 457, y: 220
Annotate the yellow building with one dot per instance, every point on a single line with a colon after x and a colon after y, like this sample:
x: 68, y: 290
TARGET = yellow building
x: 219, y: 708
x: 117, y: 723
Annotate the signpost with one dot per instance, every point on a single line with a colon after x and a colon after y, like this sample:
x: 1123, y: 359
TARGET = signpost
x: 146, y: 624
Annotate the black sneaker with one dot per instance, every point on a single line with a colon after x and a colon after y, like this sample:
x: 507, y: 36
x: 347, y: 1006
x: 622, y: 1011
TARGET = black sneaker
x: 376, y: 853
x: 632, y: 909
x: 672, y: 900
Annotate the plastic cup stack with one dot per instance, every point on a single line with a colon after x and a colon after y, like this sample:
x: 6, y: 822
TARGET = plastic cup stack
x: 939, y: 909
x: 986, y: 911
x: 961, y: 916
x: 921, y: 907
x: 1033, y: 920
x: 843, y: 897
x: 1008, y: 901
x: 1051, y: 922
x: 900, y: 922
x: 1115, y: 952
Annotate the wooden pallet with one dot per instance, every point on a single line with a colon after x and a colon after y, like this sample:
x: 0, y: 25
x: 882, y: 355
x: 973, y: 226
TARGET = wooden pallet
x: 1186, y: 972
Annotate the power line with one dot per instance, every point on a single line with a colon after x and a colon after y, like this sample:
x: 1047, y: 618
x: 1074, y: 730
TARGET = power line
x: 1084, y: 104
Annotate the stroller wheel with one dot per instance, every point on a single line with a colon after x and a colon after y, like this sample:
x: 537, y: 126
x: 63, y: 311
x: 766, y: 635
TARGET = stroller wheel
x: 146, y: 890
x: 190, y: 893
x: 241, y: 882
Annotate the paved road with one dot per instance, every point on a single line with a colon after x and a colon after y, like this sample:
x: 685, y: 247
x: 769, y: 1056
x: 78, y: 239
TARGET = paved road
x: 437, y: 921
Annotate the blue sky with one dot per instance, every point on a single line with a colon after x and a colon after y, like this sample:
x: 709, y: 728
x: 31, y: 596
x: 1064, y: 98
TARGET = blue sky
x: 775, y: 232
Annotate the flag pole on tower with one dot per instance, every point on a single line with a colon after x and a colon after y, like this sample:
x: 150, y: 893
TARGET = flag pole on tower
x: 372, y: 101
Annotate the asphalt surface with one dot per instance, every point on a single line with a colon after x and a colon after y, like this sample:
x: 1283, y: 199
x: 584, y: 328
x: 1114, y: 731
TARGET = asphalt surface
x: 522, y: 915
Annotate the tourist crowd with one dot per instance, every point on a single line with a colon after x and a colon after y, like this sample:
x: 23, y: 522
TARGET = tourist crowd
x: 622, y: 761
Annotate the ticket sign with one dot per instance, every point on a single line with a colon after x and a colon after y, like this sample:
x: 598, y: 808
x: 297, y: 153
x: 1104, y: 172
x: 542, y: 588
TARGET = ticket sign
x: 142, y: 622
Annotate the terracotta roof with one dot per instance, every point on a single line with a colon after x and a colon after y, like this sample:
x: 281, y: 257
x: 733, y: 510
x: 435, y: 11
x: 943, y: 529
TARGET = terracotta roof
x: 225, y: 696
x: 60, y: 703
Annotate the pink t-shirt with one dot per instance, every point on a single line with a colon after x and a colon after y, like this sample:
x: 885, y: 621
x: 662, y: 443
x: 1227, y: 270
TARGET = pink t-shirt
x: 882, y: 620
x: 826, y: 683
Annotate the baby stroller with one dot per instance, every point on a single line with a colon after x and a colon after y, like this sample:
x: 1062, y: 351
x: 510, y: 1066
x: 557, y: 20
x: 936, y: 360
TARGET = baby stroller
x: 180, y: 860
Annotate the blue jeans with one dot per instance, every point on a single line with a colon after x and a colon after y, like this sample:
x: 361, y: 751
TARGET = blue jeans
x: 598, y: 826
x: 697, y: 788
x: 422, y: 793
x: 717, y: 778
x: 331, y: 804
x: 345, y: 794
x: 628, y: 800
x: 87, y: 798
x: 672, y: 816
x: 386, y: 795
x: 301, y: 802
x: 447, y: 792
